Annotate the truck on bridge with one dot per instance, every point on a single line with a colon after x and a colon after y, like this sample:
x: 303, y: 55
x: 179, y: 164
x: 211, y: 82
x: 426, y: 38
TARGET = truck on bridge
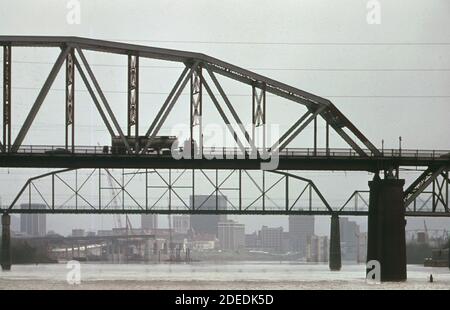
x: 158, y: 144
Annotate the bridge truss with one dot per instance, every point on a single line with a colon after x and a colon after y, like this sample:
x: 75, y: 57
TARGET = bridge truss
x: 170, y: 191
x: 200, y: 73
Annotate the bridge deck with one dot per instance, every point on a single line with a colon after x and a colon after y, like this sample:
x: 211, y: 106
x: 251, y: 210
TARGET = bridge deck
x: 224, y: 158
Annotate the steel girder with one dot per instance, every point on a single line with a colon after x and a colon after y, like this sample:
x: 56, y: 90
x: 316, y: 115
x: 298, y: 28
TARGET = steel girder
x: 316, y: 105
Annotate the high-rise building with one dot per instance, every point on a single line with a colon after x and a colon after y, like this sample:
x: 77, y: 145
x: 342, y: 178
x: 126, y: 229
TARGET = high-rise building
x: 33, y: 224
x: 300, y: 228
x: 317, y: 249
x: 181, y: 224
x: 271, y: 238
x: 231, y: 235
x: 252, y: 241
x: 208, y: 223
x: 149, y: 221
x: 349, y: 239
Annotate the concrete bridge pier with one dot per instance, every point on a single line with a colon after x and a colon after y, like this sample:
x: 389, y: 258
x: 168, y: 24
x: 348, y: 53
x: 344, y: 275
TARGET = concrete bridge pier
x: 335, y: 244
x: 386, y: 228
x: 6, y: 242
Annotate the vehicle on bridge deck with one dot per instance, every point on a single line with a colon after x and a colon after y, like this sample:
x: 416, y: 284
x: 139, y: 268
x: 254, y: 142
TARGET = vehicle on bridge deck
x: 57, y: 151
x: 158, y: 144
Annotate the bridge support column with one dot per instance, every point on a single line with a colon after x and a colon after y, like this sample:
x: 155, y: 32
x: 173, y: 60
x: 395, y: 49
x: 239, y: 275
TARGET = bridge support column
x: 386, y: 228
x: 6, y: 242
x: 335, y: 244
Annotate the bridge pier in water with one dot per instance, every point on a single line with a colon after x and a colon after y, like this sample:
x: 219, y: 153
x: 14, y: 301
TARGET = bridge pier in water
x: 386, y: 228
x: 335, y: 263
x: 6, y: 242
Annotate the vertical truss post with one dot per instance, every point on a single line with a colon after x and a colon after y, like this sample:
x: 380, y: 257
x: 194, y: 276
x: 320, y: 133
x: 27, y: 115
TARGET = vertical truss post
x: 193, y: 189
x: 259, y: 111
x: 287, y: 192
x: 263, y: 190
x: 315, y: 136
x: 217, y: 189
x: 434, y: 195
x: 327, y: 138
x: 133, y: 99
x: 99, y: 188
x: 76, y: 189
x: 146, y: 189
x: 310, y: 197
x: 122, y: 188
x: 70, y: 100
x: 446, y: 180
x: 240, y: 189
x: 170, y: 189
x: 196, y: 111
x: 53, y: 191
x: 7, y: 97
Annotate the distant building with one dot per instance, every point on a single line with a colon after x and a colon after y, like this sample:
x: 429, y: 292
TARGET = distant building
x: 104, y: 232
x: 286, y: 242
x: 349, y: 239
x: 15, y: 223
x: 231, y: 235
x: 181, y: 224
x: 33, y: 224
x: 317, y: 249
x: 362, y: 248
x: 300, y: 228
x: 149, y: 221
x: 271, y: 238
x: 252, y: 241
x: 208, y: 223
x: 78, y: 233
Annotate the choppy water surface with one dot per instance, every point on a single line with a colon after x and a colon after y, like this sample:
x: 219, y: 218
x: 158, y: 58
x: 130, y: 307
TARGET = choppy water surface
x: 236, y: 275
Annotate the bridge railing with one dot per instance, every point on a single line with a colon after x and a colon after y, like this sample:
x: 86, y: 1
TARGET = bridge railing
x: 231, y: 152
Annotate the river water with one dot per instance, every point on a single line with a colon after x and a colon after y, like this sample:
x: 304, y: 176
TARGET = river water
x: 207, y: 275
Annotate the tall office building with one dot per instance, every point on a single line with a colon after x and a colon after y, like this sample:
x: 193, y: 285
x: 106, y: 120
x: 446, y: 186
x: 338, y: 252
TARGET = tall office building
x: 271, y: 238
x: 181, y: 224
x: 300, y: 228
x: 33, y: 224
x: 149, y: 221
x: 208, y: 223
x: 349, y: 239
x: 231, y: 235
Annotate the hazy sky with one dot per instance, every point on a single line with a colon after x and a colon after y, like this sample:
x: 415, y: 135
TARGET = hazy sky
x: 390, y: 79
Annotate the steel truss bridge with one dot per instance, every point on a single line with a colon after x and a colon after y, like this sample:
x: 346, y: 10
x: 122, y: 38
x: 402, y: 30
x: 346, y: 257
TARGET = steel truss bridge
x: 201, y: 77
x: 258, y: 176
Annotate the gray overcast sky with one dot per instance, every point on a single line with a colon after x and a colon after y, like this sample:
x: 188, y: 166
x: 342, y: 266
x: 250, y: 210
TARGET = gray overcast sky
x: 390, y: 79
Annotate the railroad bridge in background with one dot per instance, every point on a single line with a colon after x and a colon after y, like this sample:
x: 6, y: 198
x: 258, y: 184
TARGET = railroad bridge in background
x: 388, y: 203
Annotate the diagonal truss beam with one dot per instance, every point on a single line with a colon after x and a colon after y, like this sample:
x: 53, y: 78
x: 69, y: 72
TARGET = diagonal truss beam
x: 167, y: 101
x: 420, y: 184
x: 231, y: 108
x: 159, y: 121
x: 94, y: 97
x: 103, y: 99
x: 40, y: 99
x: 223, y: 115
x: 296, y: 129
